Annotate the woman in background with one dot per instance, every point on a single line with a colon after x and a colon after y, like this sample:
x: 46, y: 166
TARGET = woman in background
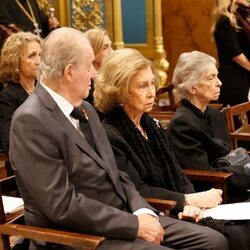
x: 231, y: 31
x: 102, y: 46
x: 19, y: 65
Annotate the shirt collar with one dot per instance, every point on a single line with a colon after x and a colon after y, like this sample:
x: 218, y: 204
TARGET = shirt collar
x: 65, y: 106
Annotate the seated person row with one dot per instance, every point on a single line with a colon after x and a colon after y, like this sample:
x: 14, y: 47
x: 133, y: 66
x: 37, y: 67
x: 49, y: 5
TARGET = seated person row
x: 140, y: 144
x: 197, y: 132
x: 70, y: 183
x: 19, y: 64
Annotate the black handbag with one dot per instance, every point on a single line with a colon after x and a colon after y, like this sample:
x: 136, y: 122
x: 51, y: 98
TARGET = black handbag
x: 237, y: 157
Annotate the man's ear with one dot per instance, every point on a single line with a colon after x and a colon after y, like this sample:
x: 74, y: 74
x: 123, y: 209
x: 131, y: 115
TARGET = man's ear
x: 68, y: 71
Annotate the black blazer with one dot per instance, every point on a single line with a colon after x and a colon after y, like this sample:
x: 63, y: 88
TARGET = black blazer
x: 11, y: 98
x: 198, y: 139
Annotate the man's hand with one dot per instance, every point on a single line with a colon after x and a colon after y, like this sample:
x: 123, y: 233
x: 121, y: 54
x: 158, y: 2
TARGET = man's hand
x: 191, y: 213
x: 150, y: 229
x: 210, y: 198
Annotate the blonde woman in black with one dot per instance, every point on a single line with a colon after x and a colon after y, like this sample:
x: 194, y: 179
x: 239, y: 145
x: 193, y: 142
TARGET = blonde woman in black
x: 231, y: 32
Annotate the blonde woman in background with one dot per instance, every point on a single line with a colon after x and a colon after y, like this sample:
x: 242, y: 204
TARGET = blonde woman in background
x: 19, y: 65
x: 231, y: 32
x: 102, y: 46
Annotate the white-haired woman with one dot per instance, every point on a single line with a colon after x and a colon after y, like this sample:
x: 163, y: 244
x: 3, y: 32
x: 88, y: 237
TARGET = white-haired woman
x: 231, y: 32
x: 198, y: 132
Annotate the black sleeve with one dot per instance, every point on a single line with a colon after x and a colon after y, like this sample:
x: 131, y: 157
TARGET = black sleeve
x: 124, y: 164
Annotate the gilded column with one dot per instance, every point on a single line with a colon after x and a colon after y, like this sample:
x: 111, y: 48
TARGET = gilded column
x: 117, y: 25
x: 160, y: 59
x: 62, y: 11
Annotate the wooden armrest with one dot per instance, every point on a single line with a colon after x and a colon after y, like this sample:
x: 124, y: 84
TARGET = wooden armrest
x: 217, y: 179
x: 51, y: 235
x: 161, y: 205
x: 245, y: 136
x: 206, y: 175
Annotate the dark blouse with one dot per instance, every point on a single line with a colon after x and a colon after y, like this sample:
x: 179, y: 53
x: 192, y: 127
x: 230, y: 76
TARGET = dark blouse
x: 198, y: 138
x: 11, y: 98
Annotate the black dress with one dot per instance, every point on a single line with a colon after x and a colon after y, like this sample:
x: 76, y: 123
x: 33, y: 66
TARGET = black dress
x: 198, y: 139
x: 235, y: 79
x: 11, y: 98
x: 10, y: 12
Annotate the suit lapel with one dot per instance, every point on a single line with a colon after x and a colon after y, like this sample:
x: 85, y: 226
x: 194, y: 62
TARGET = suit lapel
x: 110, y: 162
x: 58, y: 115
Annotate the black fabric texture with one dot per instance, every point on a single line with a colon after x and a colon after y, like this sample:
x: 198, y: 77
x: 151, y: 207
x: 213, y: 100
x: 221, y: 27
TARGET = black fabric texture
x: 155, y: 153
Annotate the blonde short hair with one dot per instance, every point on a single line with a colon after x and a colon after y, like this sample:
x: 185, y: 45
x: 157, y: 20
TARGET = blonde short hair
x: 190, y: 68
x: 114, y: 77
x: 11, y: 54
x: 96, y: 37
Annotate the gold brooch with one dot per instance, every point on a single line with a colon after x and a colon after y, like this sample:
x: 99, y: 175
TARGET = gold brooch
x: 84, y: 114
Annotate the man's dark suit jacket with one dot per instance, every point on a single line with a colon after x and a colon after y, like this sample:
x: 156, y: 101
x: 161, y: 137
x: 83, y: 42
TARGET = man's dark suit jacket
x: 63, y: 181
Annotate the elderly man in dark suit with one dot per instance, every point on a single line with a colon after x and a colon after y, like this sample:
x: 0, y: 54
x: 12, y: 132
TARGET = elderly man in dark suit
x: 68, y: 178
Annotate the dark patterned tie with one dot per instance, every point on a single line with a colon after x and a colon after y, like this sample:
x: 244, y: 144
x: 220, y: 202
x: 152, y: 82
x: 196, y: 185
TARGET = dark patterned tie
x: 81, y: 115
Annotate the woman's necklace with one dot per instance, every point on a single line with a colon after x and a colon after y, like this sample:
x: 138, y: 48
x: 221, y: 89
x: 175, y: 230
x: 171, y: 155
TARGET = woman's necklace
x: 28, y: 90
x: 143, y: 132
x: 31, y: 16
